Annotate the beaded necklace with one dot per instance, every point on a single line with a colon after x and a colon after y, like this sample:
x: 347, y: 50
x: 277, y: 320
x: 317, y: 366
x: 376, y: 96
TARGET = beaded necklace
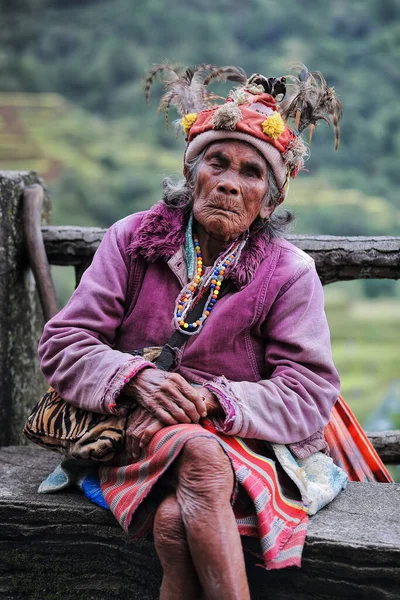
x: 202, y: 283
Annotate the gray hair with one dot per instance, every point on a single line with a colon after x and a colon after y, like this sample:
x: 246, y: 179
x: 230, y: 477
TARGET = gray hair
x: 178, y: 194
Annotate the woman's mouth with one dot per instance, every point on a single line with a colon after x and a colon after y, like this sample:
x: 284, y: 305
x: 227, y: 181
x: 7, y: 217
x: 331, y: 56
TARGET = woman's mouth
x: 224, y: 209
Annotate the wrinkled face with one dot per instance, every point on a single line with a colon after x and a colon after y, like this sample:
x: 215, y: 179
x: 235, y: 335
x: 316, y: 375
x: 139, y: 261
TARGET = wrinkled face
x: 230, y: 187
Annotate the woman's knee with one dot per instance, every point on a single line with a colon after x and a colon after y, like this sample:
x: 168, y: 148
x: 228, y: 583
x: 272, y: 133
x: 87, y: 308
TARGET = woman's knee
x: 205, y: 470
x: 169, y: 531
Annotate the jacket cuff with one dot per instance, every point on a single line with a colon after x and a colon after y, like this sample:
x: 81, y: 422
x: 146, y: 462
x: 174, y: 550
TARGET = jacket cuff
x: 233, y: 421
x: 120, y: 379
x: 315, y: 443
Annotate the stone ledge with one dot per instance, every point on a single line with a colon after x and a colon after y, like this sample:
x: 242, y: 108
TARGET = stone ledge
x: 56, y: 547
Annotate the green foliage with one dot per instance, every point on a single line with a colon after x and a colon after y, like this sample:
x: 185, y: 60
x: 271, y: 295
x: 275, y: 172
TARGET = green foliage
x: 95, y: 53
x: 321, y: 209
x: 96, y: 170
x: 365, y: 338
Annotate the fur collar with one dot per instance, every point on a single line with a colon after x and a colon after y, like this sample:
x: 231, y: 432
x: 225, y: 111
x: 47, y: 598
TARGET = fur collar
x: 162, y: 232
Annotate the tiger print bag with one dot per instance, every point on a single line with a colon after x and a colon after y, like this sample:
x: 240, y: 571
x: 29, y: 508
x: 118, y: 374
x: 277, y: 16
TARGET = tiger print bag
x: 74, y: 432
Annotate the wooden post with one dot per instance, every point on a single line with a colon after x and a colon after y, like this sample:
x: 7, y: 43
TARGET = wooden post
x: 21, y: 320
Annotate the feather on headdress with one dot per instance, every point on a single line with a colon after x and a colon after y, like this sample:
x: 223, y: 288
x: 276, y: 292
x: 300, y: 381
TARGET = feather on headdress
x: 255, y: 111
x: 186, y: 88
x: 311, y: 100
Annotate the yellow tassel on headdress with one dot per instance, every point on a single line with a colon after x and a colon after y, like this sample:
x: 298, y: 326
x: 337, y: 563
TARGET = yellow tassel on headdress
x: 273, y: 126
x: 187, y: 121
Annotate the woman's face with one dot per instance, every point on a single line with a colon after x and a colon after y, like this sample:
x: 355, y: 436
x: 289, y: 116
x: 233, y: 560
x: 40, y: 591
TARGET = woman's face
x: 230, y: 187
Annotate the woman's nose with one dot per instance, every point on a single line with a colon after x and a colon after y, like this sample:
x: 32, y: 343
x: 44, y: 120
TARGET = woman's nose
x: 228, y: 187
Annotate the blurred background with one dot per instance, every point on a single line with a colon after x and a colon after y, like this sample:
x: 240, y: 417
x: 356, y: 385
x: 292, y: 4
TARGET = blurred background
x: 72, y: 108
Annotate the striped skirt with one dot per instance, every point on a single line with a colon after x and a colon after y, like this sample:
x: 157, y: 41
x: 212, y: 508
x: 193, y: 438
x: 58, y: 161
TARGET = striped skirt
x: 264, y: 508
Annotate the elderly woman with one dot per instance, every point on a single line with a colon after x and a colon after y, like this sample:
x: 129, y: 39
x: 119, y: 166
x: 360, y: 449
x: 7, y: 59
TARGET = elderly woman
x: 236, y: 401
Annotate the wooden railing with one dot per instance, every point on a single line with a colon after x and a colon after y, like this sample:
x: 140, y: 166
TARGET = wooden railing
x: 336, y: 258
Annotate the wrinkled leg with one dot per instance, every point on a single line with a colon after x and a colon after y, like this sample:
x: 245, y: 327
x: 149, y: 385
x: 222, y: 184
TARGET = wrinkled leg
x: 204, y: 489
x: 180, y: 581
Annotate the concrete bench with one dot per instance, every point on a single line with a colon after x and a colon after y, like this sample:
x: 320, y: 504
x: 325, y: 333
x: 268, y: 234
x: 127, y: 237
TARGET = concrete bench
x: 63, y: 547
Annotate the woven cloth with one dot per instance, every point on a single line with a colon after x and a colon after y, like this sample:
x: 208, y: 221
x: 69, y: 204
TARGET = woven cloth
x: 261, y: 507
x: 350, y: 447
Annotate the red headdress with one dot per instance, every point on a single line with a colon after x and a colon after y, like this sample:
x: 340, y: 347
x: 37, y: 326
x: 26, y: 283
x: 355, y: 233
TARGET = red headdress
x: 258, y: 112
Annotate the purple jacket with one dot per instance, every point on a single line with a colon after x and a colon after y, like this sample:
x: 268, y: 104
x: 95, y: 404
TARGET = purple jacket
x: 264, y: 351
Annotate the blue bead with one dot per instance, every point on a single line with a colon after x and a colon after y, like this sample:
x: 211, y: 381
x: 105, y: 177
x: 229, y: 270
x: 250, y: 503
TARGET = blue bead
x: 216, y: 272
x: 190, y: 326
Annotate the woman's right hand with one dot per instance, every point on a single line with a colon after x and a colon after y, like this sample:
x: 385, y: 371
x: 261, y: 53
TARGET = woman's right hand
x: 140, y: 429
x: 167, y: 396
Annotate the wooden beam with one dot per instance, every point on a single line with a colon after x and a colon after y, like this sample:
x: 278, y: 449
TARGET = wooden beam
x: 71, y: 246
x: 387, y: 445
x: 336, y: 258
x: 31, y: 216
x: 344, y: 258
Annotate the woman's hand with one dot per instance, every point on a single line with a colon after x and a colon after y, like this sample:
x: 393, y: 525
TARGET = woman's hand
x: 141, y: 427
x: 167, y: 396
x: 213, y: 407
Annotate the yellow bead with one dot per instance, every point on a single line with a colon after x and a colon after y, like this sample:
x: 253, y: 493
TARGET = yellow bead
x: 185, y: 325
x: 216, y: 292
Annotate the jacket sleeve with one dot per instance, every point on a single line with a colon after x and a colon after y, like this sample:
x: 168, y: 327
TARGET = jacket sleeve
x: 76, y: 348
x: 295, y: 402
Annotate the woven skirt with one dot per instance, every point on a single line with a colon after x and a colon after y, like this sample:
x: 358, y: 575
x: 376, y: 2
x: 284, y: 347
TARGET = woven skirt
x: 265, y: 504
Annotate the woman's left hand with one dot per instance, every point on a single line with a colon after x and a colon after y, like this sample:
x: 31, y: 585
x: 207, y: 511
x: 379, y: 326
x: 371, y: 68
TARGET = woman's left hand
x: 140, y: 429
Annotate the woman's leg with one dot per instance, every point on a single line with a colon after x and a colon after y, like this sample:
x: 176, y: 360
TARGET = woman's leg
x: 180, y: 581
x: 204, y: 489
